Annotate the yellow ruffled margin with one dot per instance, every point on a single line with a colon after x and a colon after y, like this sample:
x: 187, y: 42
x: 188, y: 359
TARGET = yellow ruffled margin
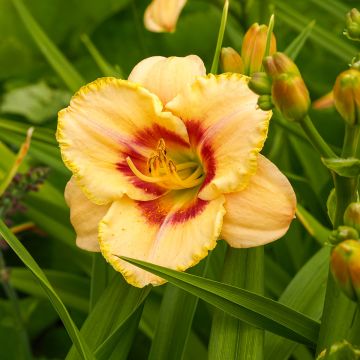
x: 129, y: 276
x: 257, y: 147
x: 94, y: 85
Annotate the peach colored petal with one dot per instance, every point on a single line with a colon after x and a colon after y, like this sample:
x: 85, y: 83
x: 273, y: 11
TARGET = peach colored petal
x: 226, y: 129
x: 162, y: 15
x: 167, y: 77
x: 262, y: 212
x: 84, y: 216
x: 175, y: 231
x: 107, y: 121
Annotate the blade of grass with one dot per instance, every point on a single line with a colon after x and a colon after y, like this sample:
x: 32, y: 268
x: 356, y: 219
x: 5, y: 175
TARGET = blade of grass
x: 321, y: 36
x: 251, y: 308
x: 56, y: 59
x: 297, y: 44
x: 60, y: 308
x: 333, y: 7
x: 215, y: 63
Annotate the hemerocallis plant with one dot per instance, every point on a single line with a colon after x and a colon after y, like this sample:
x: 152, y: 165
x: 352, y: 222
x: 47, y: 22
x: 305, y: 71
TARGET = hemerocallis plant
x: 166, y: 163
x: 162, y: 15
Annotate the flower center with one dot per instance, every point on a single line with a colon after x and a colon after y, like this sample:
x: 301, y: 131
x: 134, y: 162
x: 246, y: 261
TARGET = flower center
x: 164, y: 172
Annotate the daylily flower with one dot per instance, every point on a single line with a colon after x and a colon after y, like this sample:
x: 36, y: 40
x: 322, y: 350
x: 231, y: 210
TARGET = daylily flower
x: 162, y: 15
x: 166, y: 163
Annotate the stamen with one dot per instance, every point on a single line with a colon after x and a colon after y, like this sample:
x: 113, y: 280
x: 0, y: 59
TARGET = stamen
x: 143, y: 177
x: 164, y: 171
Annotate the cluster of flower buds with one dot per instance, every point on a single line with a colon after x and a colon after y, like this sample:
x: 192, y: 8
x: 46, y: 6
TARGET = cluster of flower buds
x: 10, y: 201
x: 352, y: 30
x: 345, y: 258
x: 288, y: 91
x: 252, y: 52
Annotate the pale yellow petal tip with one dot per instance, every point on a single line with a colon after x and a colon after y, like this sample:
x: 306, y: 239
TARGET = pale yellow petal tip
x: 162, y: 15
x: 215, y: 188
x: 143, y: 278
x: 65, y: 143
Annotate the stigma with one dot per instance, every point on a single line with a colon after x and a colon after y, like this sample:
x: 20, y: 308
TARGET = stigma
x: 164, y: 172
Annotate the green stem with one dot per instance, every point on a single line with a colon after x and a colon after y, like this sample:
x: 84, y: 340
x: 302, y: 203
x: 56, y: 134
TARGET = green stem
x: 351, y: 141
x: 338, y: 310
x: 231, y: 338
x: 315, y: 138
x: 12, y: 296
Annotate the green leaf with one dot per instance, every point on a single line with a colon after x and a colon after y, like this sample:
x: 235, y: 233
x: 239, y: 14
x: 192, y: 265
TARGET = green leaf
x: 331, y: 205
x: 27, y: 259
x: 313, y: 227
x: 305, y: 293
x: 174, y: 322
x: 319, y: 35
x: 251, y: 308
x: 215, y: 63
x: 56, y: 59
x: 72, y: 289
x: 231, y: 338
x: 297, y: 44
x: 104, y: 66
x: 39, y: 102
x: 349, y: 167
x: 114, y: 311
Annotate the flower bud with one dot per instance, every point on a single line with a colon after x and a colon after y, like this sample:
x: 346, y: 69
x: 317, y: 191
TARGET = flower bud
x: 231, y: 61
x: 345, y: 267
x: 265, y: 102
x: 352, y: 216
x: 290, y: 96
x: 347, y: 96
x: 260, y: 83
x: 254, y: 46
x: 278, y: 64
x: 343, y: 233
x: 352, y: 30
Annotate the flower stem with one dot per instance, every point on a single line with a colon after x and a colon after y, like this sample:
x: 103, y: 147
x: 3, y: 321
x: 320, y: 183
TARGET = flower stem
x: 338, y: 310
x: 231, y: 338
x: 315, y: 138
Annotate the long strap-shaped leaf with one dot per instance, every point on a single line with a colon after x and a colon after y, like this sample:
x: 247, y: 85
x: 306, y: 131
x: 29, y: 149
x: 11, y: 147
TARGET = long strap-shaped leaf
x: 253, y: 309
x: 57, y: 60
x: 60, y: 308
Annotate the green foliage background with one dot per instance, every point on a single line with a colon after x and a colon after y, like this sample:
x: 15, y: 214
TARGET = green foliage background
x: 115, y: 320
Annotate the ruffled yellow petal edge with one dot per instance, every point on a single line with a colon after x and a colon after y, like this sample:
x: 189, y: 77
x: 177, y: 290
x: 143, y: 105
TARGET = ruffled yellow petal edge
x: 161, y: 118
x: 146, y: 228
x: 188, y: 111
